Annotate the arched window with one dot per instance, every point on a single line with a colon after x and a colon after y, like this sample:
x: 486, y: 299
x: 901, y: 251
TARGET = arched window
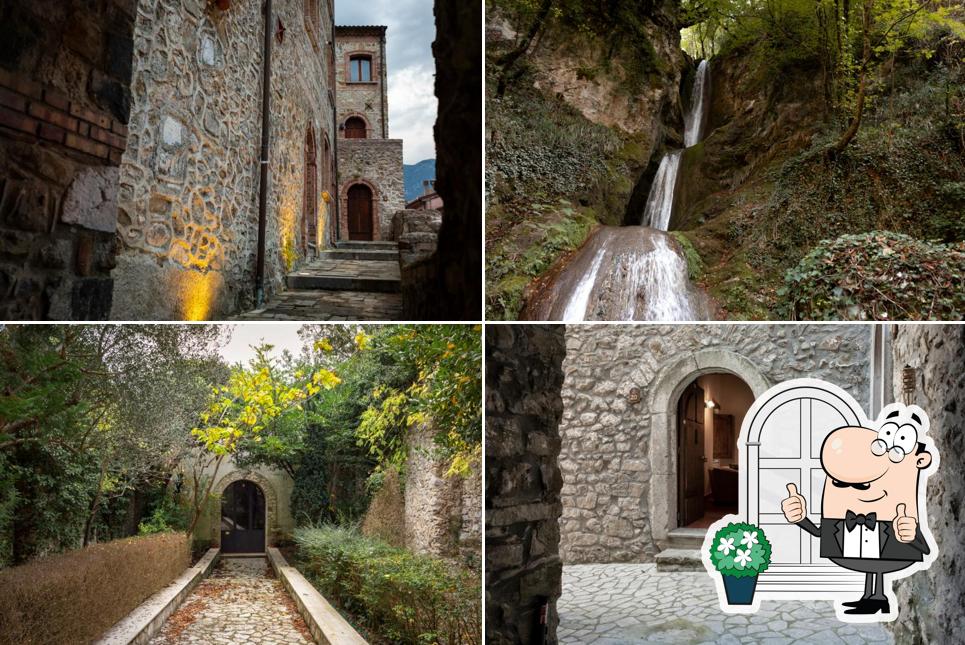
x: 360, y: 212
x: 355, y: 128
x: 360, y: 68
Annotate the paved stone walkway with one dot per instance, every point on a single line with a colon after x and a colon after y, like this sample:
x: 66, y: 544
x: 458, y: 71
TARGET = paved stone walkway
x: 329, y: 305
x: 632, y: 603
x: 237, y: 604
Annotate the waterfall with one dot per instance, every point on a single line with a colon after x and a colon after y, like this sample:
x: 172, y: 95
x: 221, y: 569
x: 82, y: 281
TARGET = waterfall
x: 645, y: 277
x: 578, y: 302
x: 694, y: 120
x: 660, y: 200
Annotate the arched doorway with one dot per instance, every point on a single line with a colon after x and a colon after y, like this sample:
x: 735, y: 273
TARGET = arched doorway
x: 360, y: 212
x: 355, y: 128
x: 243, y: 518
x: 309, y: 200
x: 710, y: 411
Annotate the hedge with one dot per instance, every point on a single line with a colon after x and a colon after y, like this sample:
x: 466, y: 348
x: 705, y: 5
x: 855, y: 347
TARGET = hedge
x: 406, y: 598
x: 76, y: 596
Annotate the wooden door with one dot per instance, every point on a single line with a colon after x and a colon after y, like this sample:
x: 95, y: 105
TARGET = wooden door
x: 690, y: 455
x: 359, y: 212
x: 354, y: 128
x: 243, y: 518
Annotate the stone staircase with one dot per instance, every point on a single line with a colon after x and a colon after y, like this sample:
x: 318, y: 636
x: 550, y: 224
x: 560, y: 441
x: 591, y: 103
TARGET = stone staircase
x: 351, y: 266
x: 681, y: 551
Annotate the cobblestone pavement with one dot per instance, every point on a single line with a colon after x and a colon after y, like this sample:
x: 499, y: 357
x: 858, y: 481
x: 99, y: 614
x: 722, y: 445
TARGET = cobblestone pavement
x: 237, y: 604
x: 632, y: 603
x: 371, y: 269
x: 329, y: 305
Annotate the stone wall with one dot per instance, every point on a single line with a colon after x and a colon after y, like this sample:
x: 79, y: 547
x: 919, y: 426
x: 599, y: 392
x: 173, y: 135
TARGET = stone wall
x: 65, y: 71
x: 366, y: 100
x: 441, y: 513
x: 188, y: 216
x: 523, y: 409
x: 377, y: 163
x: 449, y: 285
x: 618, y: 502
x: 931, y: 601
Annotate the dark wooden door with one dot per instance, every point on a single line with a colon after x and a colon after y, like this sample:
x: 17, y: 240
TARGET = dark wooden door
x: 359, y: 212
x: 690, y: 455
x: 243, y: 518
x: 354, y: 128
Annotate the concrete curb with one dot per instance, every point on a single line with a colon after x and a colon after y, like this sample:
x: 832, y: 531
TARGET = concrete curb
x: 146, y: 620
x: 324, y: 622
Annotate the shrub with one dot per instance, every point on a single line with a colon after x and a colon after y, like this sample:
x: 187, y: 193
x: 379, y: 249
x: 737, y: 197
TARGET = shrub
x: 740, y: 550
x: 407, y: 598
x: 75, y: 597
x: 385, y: 518
x: 879, y: 276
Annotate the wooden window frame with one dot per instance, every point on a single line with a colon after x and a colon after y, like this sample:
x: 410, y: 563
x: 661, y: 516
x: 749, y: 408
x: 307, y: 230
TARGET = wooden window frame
x: 350, y: 56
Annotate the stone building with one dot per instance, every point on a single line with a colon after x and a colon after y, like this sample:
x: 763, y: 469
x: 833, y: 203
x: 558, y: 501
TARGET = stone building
x: 159, y: 218
x: 188, y: 201
x: 618, y: 451
x: 371, y: 188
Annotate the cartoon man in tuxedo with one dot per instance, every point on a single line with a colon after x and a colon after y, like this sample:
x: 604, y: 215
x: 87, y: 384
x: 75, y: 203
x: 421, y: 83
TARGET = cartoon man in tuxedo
x: 870, y: 504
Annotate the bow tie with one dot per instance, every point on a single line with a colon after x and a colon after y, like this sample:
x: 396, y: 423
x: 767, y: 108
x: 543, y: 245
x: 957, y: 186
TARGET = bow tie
x: 851, y: 520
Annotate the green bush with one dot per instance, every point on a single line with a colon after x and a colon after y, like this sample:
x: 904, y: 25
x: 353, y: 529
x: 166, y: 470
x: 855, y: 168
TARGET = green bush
x: 405, y: 597
x: 877, y: 276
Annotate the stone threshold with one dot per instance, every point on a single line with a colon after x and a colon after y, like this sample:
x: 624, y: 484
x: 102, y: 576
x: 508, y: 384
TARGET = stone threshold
x: 324, y: 622
x: 142, y: 624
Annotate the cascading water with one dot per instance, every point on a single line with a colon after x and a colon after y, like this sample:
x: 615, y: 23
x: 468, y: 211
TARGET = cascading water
x: 645, y: 278
x: 694, y: 120
x: 660, y: 200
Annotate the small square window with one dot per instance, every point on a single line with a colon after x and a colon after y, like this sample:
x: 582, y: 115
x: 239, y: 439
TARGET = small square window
x: 360, y: 69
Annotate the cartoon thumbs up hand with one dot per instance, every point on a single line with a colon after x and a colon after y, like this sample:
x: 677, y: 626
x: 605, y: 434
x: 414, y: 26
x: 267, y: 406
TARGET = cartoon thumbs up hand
x: 904, y: 527
x: 794, y: 507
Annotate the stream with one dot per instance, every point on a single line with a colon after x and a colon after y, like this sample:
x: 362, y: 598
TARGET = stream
x: 633, y: 272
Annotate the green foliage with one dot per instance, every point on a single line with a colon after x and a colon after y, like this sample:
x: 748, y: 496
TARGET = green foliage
x: 406, y: 598
x: 167, y: 516
x: 740, y: 550
x: 877, y: 276
x: 695, y: 265
x: 446, y: 394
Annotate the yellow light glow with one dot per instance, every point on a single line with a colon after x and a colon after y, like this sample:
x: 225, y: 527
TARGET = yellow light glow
x: 198, y: 292
x: 326, y: 196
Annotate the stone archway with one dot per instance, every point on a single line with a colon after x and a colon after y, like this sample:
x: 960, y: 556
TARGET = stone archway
x: 271, y: 504
x: 668, y: 385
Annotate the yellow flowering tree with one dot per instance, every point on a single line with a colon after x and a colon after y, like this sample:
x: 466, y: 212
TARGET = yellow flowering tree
x: 258, y: 413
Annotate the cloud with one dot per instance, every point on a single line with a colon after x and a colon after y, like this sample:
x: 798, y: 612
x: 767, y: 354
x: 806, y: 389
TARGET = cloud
x: 411, y: 30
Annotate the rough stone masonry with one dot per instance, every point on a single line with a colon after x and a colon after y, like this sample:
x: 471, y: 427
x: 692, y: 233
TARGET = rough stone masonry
x: 523, y: 409
x: 609, y: 498
x: 931, y: 601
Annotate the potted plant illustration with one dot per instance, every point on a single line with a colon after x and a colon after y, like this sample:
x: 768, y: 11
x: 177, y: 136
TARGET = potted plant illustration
x: 740, y: 552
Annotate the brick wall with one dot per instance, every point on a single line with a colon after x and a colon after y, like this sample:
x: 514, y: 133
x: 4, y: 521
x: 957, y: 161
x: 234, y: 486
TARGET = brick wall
x: 64, y: 104
x: 42, y: 113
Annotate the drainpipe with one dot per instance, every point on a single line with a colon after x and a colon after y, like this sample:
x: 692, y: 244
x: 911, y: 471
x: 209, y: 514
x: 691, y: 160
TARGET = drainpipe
x: 335, y: 131
x: 265, y: 144
x: 383, y: 89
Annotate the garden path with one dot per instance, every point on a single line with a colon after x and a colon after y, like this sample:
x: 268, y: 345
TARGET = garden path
x: 240, y: 602
x: 629, y: 603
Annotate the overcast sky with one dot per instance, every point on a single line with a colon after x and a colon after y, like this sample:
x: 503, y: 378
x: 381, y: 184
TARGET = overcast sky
x: 282, y: 335
x: 412, y: 103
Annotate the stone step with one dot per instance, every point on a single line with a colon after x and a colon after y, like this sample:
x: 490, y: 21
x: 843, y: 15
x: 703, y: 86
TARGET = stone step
x: 360, y: 254
x: 367, y: 245
x: 679, y: 560
x: 347, y: 275
x: 682, y: 538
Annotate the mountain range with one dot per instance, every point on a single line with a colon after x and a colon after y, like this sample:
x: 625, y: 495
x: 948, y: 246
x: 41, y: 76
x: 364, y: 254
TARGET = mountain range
x: 414, y: 174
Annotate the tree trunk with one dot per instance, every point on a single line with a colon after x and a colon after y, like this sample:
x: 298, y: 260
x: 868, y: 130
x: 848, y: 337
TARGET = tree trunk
x: 852, y: 130
x: 508, y: 60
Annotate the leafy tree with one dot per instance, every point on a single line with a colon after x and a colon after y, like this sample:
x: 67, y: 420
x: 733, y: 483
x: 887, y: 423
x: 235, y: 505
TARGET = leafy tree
x: 446, y: 393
